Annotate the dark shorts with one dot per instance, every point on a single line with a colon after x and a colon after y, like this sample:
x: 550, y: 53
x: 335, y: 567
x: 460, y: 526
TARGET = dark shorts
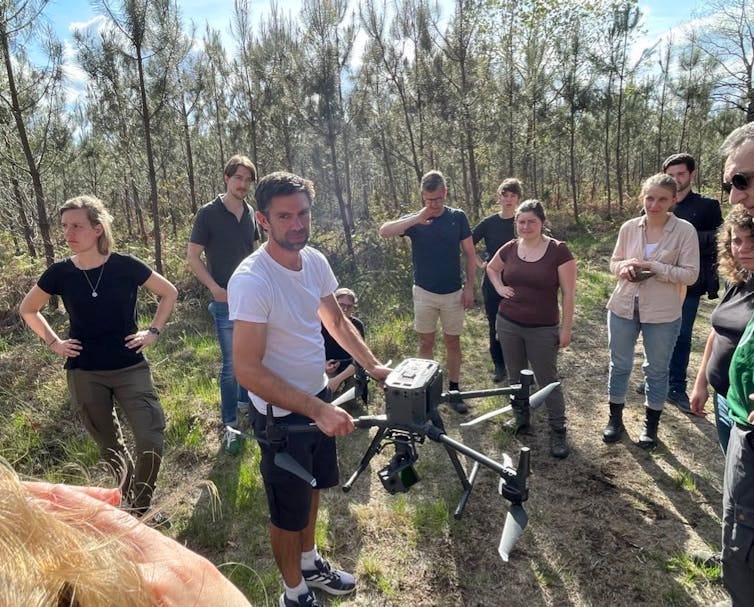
x: 288, y: 496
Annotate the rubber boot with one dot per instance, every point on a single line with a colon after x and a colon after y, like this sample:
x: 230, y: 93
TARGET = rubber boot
x: 499, y: 374
x: 558, y: 443
x: 521, y: 420
x: 614, y: 428
x: 648, y: 438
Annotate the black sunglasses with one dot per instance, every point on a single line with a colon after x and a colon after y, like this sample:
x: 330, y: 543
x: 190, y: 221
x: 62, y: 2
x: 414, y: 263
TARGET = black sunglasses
x: 738, y: 181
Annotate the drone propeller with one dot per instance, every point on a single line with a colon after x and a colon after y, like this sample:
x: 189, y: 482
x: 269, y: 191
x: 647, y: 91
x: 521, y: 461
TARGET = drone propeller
x: 282, y: 459
x: 346, y: 397
x: 286, y: 462
x: 535, y: 401
x: 515, y: 523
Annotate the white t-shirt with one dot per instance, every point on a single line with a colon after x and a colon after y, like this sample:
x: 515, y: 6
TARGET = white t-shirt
x: 263, y: 291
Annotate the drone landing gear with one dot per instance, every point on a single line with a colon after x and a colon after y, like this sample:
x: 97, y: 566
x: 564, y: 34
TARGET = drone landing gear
x: 399, y: 474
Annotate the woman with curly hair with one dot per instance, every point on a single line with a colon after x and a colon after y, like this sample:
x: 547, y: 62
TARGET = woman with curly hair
x: 736, y: 265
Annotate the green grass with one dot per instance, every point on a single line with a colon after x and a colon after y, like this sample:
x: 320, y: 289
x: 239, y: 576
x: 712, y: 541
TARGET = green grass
x: 691, y: 572
x: 684, y: 479
x: 218, y: 502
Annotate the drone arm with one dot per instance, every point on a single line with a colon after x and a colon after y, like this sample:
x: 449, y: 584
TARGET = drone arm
x: 370, y: 421
x: 508, y: 475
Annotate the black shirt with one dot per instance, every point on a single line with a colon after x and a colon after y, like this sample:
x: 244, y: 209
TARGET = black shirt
x: 100, y: 323
x: 334, y: 351
x: 705, y: 215
x: 226, y: 241
x: 729, y: 319
x: 495, y: 231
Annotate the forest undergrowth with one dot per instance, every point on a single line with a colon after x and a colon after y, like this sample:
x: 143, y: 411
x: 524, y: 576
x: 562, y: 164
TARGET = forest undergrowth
x: 609, y: 525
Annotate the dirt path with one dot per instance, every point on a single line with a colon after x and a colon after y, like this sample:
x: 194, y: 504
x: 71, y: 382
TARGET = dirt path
x: 610, y: 525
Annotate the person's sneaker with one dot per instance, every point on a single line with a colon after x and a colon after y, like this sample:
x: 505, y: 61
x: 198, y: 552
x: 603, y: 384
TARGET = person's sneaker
x: 158, y: 520
x: 680, y: 399
x: 707, y: 558
x: 459, y: 407
x: 640, y: 388
x: 155, y: 519
x: 231, y: 442
x: 304, y: 600
x: 324, y: 577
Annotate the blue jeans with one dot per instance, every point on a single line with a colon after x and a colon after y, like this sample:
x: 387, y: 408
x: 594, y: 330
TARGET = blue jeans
x: 722, y: 420
x: 231, y: 393
x: 679, y: 362
x: 659, y: 339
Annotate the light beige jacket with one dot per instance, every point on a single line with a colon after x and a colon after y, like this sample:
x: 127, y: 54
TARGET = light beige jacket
x: 675, y: 263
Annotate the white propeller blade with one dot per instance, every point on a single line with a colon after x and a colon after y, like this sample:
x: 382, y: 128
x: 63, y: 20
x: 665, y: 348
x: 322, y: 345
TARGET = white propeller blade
x: 535, y: 401
x: 515, y: 523
x: 486, y: 416
x: 347, y: 396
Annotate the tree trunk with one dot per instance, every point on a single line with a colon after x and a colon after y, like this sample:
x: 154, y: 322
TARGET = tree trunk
x: 36, y: 179
x: 189, y: 156
x: 150, y: 165
x: 23, y: 219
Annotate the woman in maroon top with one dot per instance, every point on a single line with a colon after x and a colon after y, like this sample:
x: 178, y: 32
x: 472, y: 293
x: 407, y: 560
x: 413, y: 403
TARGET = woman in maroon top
x: 528, y: 273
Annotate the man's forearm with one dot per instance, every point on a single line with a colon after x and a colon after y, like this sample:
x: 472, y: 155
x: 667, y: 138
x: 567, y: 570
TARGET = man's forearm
x: 275, y: 390
x: 398, y: 227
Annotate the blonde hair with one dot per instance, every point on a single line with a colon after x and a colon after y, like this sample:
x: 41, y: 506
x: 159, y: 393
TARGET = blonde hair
x: 346, y: 292
x: 56, y: 557
x: 660, y: 180
x: 97, y: 215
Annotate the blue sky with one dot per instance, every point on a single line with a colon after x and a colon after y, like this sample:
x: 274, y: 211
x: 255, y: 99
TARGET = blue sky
x: 661, y: 18
x: 661, y: 15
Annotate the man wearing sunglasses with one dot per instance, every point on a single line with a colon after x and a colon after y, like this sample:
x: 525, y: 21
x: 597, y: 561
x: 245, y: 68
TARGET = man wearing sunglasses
x: 738, y: 485
x: 705, y: 215
x: 437, y: 232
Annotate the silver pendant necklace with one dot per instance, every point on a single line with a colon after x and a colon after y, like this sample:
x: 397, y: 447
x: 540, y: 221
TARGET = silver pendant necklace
x: 94, y: 287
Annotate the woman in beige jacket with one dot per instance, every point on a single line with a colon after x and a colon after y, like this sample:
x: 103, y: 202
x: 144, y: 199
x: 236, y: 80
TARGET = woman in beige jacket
x: 655, y: 259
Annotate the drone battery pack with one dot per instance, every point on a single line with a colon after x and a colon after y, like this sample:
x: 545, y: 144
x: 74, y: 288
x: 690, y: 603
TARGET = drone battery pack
x: 412, y: 391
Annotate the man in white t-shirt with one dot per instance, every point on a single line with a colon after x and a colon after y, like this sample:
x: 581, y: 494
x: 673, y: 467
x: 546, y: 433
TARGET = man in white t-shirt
x: 278, y: 296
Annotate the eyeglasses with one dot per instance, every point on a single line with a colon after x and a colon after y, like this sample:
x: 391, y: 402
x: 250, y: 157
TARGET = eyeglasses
x: 346, y: 306
x: 740, y: 181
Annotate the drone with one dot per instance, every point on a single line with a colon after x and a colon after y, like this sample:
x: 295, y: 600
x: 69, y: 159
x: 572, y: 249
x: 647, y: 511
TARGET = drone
x: 413, y: 392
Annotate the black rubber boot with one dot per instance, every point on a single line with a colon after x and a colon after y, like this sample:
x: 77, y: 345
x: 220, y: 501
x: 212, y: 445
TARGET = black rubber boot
x: 499, y: 374
x: 521, y: 420
x: 558, y: 443
x: 648, y: 438
x: 614, y: 428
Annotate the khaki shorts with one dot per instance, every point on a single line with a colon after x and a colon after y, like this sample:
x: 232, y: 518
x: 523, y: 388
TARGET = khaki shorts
x: 428, y: 307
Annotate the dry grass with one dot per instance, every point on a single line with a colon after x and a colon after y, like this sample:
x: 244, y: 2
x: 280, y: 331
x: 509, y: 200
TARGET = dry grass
x: 610, y: 525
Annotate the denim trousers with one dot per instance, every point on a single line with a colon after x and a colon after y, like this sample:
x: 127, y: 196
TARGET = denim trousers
x: 722, y: 420
x: 231, y: 393
x: 679, y: 362
x: 659, y: 340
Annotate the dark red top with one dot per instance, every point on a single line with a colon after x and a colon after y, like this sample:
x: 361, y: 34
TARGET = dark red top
x: 536, y: 283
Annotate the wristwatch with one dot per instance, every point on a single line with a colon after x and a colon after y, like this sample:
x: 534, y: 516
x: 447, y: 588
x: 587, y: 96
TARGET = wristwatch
x: 154, y: 331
